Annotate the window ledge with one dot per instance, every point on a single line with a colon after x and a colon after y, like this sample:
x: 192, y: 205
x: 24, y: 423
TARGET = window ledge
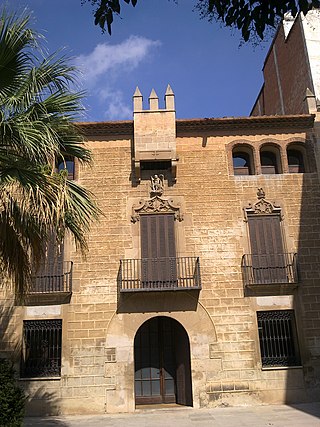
x: 40, y: 379
x: 251, y: 176
x: 281, y: 368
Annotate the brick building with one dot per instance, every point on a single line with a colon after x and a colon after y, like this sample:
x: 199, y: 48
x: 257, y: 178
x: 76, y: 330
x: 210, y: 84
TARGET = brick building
x: 291, y: 69
x: 201, y: 285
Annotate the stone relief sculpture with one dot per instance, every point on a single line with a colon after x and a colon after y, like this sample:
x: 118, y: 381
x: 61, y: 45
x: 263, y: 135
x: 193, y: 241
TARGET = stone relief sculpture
x: 156, y: 204
x: 157, y: 184
x: 262, y: 206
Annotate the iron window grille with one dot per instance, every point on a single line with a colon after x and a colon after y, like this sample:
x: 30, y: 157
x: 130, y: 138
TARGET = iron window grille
x: 278, y: 338
x: 41, y: 350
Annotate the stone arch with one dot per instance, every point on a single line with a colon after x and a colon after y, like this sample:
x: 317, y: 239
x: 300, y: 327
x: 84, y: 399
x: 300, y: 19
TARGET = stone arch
x: 121, y: 332
x: 128, y: 322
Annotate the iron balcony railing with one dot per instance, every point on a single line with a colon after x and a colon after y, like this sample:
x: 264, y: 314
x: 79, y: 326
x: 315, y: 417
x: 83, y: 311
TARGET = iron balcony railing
x: 159, y: 274
x: 52, y: 278
x: 265, y: 269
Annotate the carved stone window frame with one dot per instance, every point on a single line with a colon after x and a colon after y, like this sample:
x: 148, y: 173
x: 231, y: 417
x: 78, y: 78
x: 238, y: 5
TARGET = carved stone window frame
x: 157, y: 205
x: 262, y: 207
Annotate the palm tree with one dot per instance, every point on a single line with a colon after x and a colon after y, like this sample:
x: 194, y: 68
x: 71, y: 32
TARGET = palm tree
x: 37, y: 113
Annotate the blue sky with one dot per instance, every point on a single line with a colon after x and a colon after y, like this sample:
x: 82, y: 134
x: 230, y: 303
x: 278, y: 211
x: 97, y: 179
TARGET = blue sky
x: 156, y: 43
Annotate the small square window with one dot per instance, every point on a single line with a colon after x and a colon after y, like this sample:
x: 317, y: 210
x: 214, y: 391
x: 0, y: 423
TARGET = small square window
x: 41, y: 350
x: 67, y: 164
x: 278, y: 338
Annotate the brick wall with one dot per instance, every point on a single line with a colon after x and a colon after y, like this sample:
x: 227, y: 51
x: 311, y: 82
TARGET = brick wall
x: 286, y: 74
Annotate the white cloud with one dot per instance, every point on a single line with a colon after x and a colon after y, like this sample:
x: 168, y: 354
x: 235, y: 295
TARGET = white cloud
x: 103, y: 71
x: 107, y: 57
x: 116, y: 107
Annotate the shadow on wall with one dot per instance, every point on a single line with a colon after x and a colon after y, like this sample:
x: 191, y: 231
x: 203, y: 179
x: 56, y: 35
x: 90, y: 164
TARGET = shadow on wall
x: 40, y: 402
x: 156, y: 302
x: 303, y: 385
x: 37, y: 399
x: 9, y: 348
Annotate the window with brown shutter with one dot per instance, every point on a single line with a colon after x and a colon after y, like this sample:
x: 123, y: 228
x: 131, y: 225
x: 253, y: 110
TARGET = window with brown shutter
x: 268, y: 259
x: 158, y: 251
x: 54, y: 274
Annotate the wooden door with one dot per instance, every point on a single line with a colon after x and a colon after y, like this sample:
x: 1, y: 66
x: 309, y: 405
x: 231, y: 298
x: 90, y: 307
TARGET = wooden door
x: 155, y: 371
x: 158, y: 251
x: 183, y: 367
x: 268, y: 259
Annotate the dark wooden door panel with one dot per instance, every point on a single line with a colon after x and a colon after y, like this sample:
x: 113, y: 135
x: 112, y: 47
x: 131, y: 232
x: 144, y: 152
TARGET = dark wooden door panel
x: 162, y: 363
x: 155, y: 362
x: 183, y: 368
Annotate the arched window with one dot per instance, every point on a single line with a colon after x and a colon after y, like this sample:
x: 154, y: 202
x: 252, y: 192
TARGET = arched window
x: 295, y: 161
x: 67, y: 164
x: 242, y: 161
x: 270, y: 161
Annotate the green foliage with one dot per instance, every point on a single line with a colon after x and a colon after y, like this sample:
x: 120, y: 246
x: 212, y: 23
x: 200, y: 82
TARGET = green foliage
x: 12, y: 399
x: 105, y: 9
x: 37, y: 109
x: 251, y: 17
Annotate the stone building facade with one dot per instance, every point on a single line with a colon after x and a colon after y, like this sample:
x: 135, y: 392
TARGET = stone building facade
x: 201, y: 284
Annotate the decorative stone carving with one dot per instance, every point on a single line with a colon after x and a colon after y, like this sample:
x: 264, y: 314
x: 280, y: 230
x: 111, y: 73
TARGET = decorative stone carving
x: 157, y: 185
x: 260, y: 193
x: 156, y: 205
x: 262, y: 207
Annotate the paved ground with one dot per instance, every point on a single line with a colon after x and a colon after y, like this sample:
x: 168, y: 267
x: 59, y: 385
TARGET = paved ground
x: 303, y: 415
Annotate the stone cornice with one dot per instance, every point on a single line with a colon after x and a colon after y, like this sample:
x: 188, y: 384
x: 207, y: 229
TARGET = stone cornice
x: 115, y: 128
x: 301, y: 121
x: 187, y: 126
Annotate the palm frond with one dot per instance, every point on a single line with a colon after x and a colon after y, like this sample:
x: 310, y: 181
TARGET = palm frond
x: 37, y: 109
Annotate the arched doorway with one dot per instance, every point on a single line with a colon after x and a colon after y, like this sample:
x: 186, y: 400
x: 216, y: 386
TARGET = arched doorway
x: 162, y: 363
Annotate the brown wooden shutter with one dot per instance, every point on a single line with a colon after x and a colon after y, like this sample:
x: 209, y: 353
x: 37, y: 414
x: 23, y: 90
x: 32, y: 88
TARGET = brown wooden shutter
x: 267, y: 249
x: 158, y: 250
x: 50, y: 275
x: 265, y: 234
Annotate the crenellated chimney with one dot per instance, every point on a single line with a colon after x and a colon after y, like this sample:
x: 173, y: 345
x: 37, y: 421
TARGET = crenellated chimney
x: 154, y: 130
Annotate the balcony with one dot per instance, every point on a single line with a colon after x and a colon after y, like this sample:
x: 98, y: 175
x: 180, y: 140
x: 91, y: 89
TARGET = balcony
x: 159, y: 274
x: 51, y: 282
x: 270, y: 271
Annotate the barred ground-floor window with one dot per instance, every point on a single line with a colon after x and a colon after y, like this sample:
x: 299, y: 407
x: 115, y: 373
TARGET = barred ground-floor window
x: 41, y: 349
x: 278, y: 338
